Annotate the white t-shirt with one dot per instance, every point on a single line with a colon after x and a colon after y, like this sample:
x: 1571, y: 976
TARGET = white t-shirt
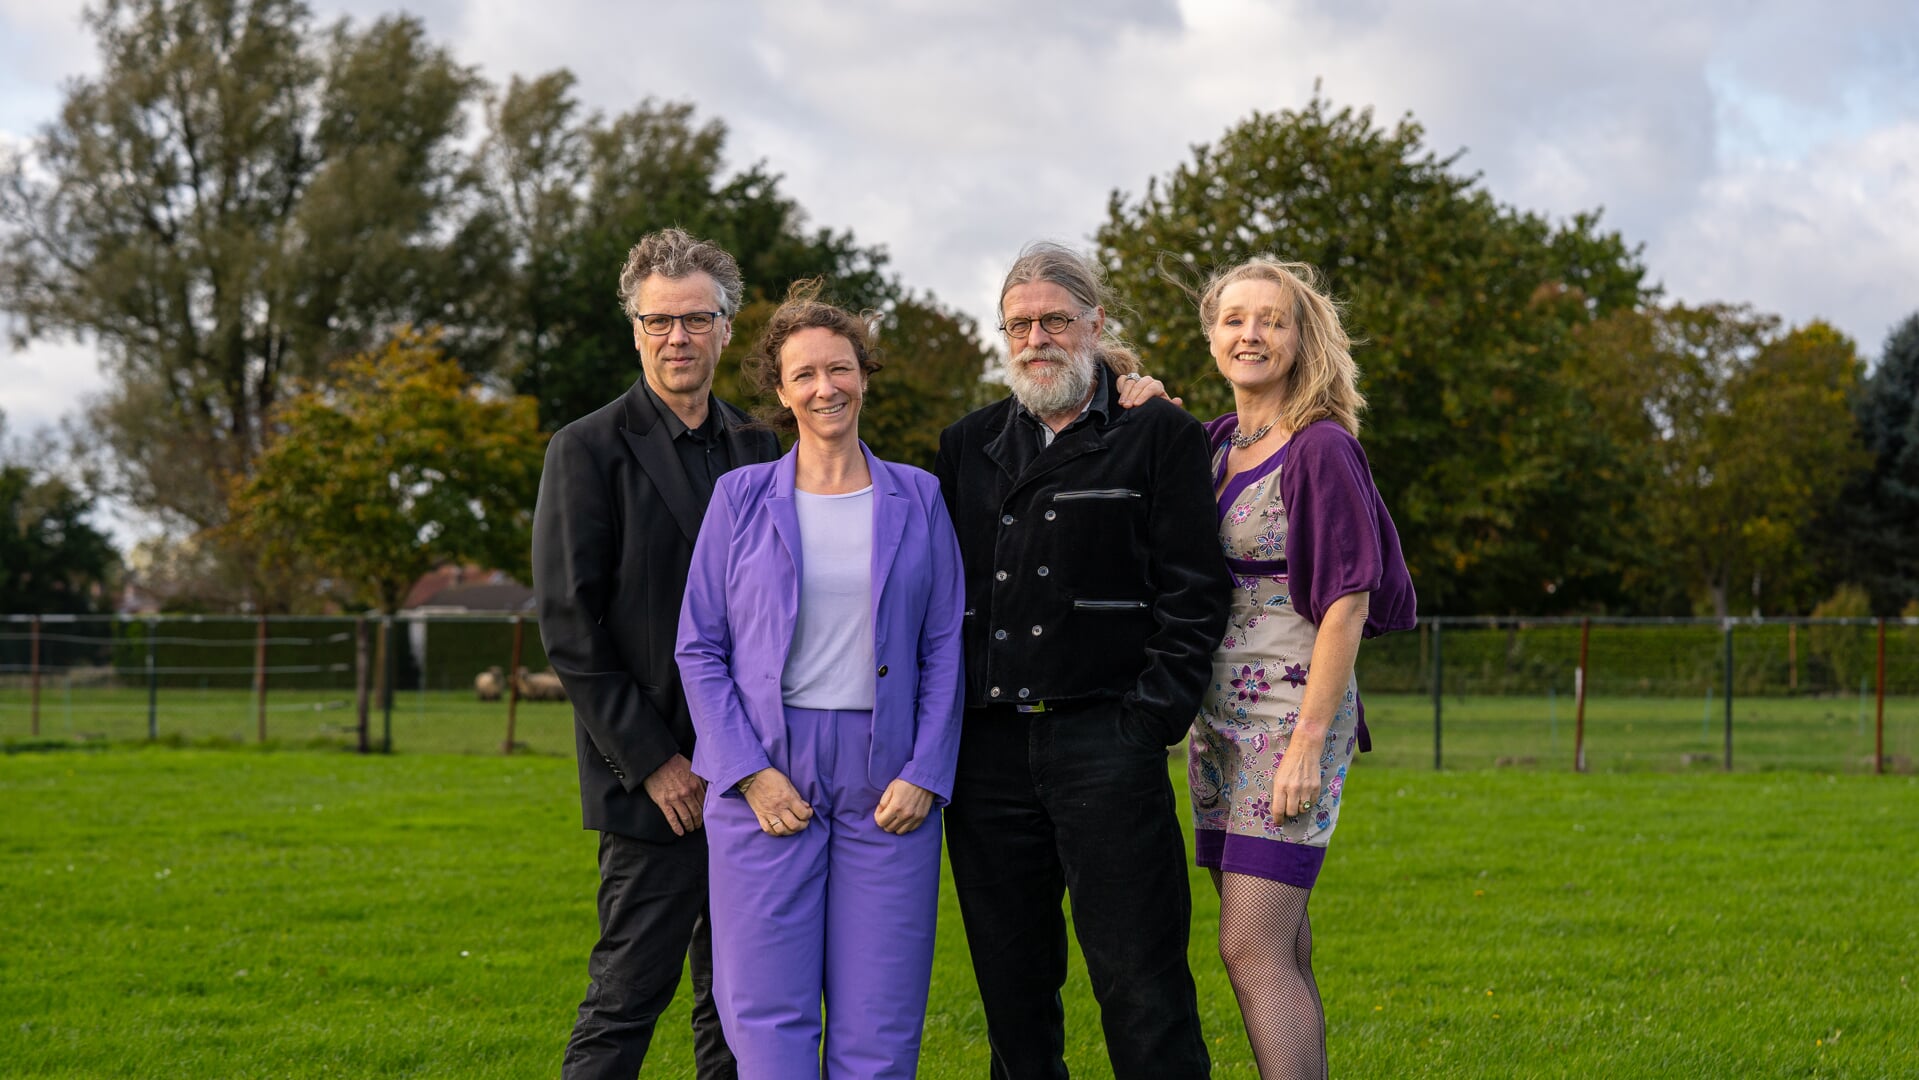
x: 830, y: 665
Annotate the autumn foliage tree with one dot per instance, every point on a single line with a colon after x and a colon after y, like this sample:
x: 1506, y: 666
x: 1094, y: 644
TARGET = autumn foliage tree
x: 1463, y: 308
x: 1742, y: 437
x: 397, y: 464
x: 236, y: 200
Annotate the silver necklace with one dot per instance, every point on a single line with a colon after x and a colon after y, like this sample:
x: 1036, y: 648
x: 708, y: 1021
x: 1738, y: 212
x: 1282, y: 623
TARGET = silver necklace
x: 1241, y: 441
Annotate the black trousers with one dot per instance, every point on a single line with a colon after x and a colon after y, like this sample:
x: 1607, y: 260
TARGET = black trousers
x: 1077, y: 803
x: 652, y: 910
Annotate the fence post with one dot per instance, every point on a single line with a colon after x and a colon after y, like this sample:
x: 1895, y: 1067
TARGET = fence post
x: 1439, y: 687
x: 1579, y: 697
x: 389, y: 671
x: 513, y: 682
x: 153, y: 681
x: 362, y: 675
x: 260, y: 676
x: 1879, y: 723
x: 33, y: 675
x: 1792, y: 657
x: 1728, y: 633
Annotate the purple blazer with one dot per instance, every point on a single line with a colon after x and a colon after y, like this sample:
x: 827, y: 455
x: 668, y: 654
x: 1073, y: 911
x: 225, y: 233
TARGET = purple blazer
x: 742, y: 601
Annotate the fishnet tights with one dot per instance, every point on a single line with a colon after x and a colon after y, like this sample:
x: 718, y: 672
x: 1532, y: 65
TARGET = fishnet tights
x: 1267, y: 943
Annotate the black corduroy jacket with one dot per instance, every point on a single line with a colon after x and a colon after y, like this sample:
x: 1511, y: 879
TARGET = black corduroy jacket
x: 1093, y: 566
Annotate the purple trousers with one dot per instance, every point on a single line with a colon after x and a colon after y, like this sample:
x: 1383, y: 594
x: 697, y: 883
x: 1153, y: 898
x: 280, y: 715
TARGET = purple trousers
x: 842, y: 911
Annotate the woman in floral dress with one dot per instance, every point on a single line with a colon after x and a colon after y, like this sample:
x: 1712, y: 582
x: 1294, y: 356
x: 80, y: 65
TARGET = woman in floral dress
x: 1317, y: 566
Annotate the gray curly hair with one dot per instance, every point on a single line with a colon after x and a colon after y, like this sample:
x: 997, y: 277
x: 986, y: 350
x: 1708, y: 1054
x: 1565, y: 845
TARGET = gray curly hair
x: 676, y: 254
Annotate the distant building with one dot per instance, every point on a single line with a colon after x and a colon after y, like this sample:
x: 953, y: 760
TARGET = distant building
x: 450, y: 590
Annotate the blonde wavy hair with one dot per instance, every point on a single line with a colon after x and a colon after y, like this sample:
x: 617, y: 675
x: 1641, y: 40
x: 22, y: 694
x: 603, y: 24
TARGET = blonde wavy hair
x: 1324, y: 381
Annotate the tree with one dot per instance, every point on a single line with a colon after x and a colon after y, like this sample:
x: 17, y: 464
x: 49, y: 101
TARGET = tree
x: 1877, y: 519
x: 52, y: 559
x: 933, y: 376
x: 1745, y: 440
x: 397, y: 465
x: 572, y: 192
x: 1465, y: 308
x: 236, y: 200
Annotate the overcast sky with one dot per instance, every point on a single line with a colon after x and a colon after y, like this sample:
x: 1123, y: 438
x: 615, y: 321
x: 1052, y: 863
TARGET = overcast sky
x: 1760, y: 150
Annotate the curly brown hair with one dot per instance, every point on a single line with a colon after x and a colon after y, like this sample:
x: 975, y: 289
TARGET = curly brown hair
x: 677, y: 254
x: 803, y: 310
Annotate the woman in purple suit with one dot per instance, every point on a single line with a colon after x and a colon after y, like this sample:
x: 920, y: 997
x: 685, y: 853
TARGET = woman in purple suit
x: 819, y: 646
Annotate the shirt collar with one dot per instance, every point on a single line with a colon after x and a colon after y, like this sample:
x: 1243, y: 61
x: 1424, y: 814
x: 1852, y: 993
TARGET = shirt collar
x: 675, y: 426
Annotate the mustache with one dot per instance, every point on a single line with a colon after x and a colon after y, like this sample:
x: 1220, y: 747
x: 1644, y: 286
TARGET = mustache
x: 1052, y: 353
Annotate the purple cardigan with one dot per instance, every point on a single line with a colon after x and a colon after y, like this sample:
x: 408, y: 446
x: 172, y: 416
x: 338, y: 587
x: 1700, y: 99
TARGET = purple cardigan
x: 742, y: 601
x: 1339, y: 538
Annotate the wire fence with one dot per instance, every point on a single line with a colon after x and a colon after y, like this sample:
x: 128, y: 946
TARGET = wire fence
x: 1838, y: 695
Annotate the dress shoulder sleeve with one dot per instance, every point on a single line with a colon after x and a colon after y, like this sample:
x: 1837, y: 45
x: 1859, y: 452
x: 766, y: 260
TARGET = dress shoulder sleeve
x: 1339, y: 538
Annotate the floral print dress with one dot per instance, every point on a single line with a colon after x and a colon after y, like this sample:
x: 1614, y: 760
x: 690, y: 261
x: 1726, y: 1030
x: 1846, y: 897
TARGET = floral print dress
x: 1247, y: 716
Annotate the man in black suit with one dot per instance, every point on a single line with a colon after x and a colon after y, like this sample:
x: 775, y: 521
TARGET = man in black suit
x: 621, y: 500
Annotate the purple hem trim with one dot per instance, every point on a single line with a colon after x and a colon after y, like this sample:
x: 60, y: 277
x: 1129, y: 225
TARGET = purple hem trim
x: 1242, y: 480
x: 1275, y: 860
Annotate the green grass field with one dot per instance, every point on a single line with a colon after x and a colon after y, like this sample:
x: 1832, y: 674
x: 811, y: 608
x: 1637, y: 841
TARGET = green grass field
x: 1641, y: 733
x: 231, y: 913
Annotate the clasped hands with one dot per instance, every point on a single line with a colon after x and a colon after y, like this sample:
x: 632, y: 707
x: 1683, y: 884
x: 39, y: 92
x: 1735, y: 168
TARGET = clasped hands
x: 777, y: 804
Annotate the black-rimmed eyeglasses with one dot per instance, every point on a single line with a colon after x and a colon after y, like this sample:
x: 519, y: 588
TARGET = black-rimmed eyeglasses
x: 1053, y: 322
x: 696, y: 322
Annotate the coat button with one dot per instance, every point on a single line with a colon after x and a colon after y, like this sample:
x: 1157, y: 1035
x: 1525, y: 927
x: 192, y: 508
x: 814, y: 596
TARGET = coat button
x: 882, y: 671
x: 1006, y: 519
x: 1001, y: 576
x: 1051, y: 514
x: 1043, y: 571
x: 1035, y: 631
x: 999, y: 635
x: 994, y: 691
x: 1024, y: 692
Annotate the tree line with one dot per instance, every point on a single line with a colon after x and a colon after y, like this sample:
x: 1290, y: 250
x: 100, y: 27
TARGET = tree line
x: 343, y: 288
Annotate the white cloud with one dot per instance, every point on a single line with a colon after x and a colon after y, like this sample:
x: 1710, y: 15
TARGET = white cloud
x: 1832, y: 236
x: 45, y: 381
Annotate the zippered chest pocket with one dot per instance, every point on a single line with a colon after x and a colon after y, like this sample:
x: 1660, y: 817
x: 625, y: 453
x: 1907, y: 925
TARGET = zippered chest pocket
x: 1096, y: 493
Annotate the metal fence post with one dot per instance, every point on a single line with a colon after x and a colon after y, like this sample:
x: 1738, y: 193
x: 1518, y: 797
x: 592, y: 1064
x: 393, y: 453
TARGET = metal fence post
x: 260, y: 676
x: 153, y: 681
x: 1792, y: 657
x: 1728, y: 633
x: 362, y: 676
x: 1879, y: 728
x: 513, y: 682
x: 1579, y: 697
x: 33, y: 675
x: 1439, y: 687
x: 389, y: 673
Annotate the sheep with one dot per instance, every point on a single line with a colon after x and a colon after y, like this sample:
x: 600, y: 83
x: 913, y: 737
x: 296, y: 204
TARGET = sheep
x: 490, y: 684
x: 541, y: 686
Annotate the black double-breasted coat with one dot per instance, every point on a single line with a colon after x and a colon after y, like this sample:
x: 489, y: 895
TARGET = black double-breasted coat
x: 1093, y: 566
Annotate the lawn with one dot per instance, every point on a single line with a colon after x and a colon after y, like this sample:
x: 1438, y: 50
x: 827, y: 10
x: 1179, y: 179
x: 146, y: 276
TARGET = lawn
x: 235, y: 913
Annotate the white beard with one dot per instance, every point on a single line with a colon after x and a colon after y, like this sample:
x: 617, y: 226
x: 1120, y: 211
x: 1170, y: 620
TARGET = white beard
x: 1061, y: 390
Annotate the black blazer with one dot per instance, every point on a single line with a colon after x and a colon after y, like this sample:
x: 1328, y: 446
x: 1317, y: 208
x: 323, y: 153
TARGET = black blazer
x: 613, y: 534
x: 1095, y: 573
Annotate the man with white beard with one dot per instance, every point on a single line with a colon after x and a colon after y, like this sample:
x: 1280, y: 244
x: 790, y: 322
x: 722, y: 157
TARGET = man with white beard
x: 1096, y: 592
